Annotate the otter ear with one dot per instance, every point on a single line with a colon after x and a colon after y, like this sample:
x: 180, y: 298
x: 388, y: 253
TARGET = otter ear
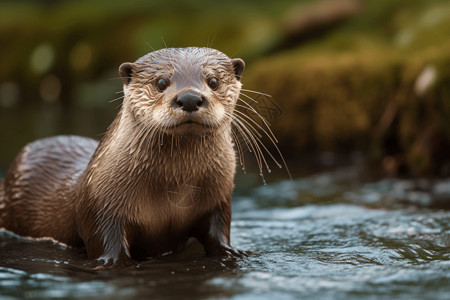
x: 238, y: 66
x: 126, y: 71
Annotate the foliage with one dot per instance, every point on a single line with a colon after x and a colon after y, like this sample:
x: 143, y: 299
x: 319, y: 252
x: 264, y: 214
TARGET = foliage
x: 356, y: 89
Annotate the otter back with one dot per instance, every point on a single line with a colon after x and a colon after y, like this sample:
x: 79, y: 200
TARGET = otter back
x: 36, y: 194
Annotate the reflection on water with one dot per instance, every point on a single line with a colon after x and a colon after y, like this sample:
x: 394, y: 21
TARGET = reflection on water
x: 331, y: 235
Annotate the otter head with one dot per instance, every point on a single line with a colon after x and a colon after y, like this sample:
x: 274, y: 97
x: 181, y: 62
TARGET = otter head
x: 182, y: 91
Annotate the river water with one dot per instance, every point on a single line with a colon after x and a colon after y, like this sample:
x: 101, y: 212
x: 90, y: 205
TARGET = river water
x: 332, y: 235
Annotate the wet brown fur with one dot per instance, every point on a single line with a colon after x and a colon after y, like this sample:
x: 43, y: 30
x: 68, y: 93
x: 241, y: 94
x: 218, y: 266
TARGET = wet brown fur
x: 158, y: 177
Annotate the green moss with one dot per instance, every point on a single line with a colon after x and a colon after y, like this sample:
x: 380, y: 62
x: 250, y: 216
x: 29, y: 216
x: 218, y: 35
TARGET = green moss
x: 357, y: 92
x: 330, y: 91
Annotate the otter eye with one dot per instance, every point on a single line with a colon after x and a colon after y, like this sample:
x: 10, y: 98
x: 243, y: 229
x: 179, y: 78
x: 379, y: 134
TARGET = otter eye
x: 213, y: 83
x: 161, y: 85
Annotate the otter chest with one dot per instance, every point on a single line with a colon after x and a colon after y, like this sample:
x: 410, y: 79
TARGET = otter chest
x: 164, y: 222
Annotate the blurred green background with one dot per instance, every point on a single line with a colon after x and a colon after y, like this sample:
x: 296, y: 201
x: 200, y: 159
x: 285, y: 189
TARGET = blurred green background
x: 351, y: 76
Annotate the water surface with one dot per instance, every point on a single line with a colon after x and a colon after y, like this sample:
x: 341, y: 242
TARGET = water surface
x: 332, y: 235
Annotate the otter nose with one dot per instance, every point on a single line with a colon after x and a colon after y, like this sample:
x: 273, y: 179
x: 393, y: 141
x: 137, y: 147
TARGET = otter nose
x: 189, y: 102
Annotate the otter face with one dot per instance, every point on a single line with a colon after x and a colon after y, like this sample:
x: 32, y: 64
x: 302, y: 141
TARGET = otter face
x: 182, y: 91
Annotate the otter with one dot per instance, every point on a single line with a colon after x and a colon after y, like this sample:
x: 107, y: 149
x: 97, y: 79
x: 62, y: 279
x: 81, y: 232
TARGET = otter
x: 162, y: 173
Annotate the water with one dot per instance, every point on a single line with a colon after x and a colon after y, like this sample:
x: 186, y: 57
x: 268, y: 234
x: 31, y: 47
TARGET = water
x: 333, y: 235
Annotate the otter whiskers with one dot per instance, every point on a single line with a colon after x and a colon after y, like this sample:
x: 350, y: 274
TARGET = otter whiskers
x: 252, y: 133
